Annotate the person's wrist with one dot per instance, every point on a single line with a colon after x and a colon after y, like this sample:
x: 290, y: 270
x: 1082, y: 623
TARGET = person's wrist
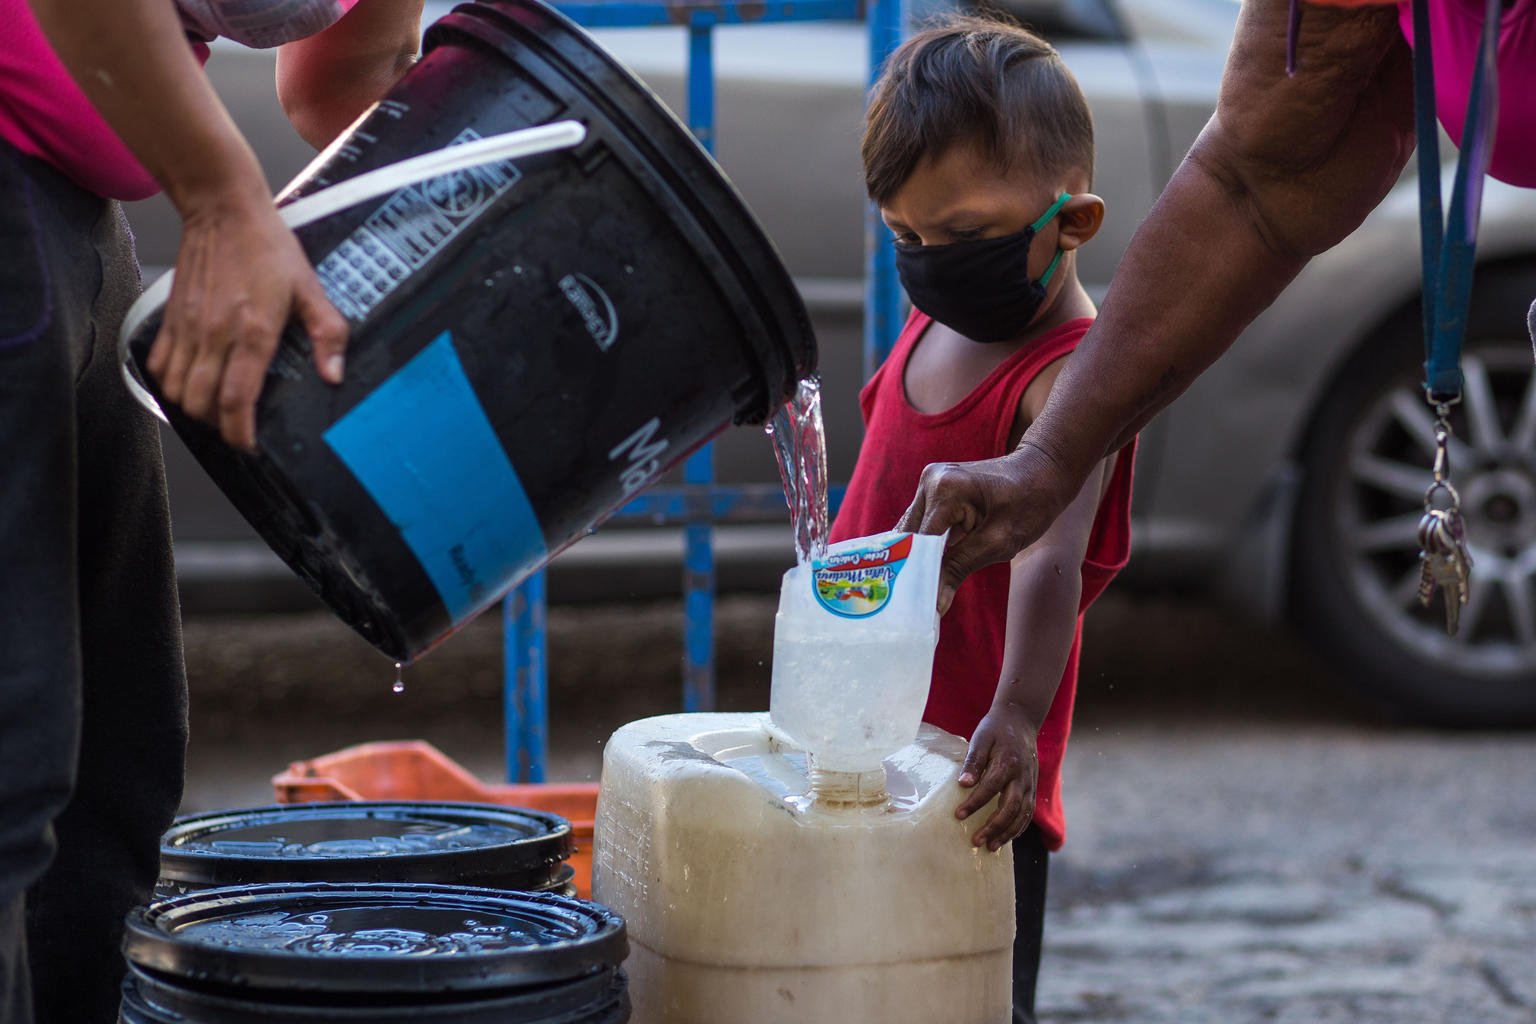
x: 226, y: 178
x: 1005, y: 706
x: 1055, y: 472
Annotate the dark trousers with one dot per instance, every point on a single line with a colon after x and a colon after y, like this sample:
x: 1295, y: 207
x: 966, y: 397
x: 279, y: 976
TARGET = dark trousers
x: 1030, y: 862
x: 92, y: 688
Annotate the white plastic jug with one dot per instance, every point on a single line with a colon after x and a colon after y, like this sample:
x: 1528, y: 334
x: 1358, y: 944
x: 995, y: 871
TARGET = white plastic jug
x: 750, y: 901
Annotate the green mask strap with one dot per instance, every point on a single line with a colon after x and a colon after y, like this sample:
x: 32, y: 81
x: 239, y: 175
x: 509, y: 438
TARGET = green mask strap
x: 1046, y: 277
x: 1045, y: 219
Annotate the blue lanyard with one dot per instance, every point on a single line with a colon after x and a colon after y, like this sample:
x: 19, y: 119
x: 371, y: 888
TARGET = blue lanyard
x: 1450, y: 247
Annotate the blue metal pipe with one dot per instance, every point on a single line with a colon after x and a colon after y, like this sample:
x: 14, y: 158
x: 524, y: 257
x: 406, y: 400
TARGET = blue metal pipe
x: 526, y: 701
x: 883, y: 298
x: 735, y: 503
x: 699, y: 470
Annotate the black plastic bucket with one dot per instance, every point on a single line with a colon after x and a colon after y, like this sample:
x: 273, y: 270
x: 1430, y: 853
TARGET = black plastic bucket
x: 337, y: 953
x: 532, y: 341
x: 483, y: 845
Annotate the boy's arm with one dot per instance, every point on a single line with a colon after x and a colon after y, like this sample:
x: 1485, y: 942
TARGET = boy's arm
x: 1044, y: 587
x: 326, y: 80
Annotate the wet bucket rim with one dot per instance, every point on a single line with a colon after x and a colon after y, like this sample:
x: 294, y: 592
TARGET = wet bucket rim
x: 153, y: 939
x: 531, y: 855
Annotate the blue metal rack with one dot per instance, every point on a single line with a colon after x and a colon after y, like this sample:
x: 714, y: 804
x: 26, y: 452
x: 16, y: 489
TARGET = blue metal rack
x: 699, y: 502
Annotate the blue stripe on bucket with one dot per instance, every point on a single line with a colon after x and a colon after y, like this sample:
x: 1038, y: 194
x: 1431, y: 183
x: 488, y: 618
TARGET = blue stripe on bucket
x: 423, y: 449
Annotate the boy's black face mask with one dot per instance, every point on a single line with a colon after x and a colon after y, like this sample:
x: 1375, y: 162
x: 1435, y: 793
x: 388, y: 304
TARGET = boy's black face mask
x: 980, y: 289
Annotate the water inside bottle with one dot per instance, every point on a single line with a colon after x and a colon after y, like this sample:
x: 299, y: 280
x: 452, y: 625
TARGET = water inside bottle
x: 850, y: 693
x: 848, y: 696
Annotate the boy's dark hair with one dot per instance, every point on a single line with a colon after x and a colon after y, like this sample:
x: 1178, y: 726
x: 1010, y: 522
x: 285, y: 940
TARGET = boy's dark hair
x: 975, y: 78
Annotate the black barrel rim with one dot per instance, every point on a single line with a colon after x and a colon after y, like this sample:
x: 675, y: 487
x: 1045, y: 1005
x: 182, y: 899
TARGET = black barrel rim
x: 532, y: 844
x: 271, y: 937
x: 599, y: 998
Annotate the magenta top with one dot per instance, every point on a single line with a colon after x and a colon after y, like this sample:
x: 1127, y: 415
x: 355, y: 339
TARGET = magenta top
x: 44, y: 114
x: 1457, y: 27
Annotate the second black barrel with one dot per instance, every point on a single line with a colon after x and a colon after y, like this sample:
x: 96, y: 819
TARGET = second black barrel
x: 325, y: 953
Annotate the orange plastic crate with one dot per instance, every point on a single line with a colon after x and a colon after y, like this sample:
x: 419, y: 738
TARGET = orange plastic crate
x: 416, y: 770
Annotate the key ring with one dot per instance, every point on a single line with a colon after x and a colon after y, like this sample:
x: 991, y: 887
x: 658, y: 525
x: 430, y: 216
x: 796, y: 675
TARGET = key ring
x: 1453, y: 496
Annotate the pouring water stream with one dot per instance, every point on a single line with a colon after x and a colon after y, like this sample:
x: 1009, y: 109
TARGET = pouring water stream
x: 800, y: 445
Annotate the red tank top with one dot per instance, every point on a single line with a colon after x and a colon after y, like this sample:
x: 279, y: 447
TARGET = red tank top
x: 898, y: 442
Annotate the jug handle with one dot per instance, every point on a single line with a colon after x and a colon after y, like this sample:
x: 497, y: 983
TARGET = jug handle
x: 544, y: 138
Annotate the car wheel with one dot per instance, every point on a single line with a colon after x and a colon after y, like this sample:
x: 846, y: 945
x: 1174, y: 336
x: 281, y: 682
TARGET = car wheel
x: 1367, y: 466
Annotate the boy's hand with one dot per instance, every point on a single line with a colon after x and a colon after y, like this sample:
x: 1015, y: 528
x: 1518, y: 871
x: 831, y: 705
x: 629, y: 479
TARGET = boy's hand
x: 1001, y: 760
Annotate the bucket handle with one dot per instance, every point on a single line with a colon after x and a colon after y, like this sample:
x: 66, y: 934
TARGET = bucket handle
x: 544, y: 138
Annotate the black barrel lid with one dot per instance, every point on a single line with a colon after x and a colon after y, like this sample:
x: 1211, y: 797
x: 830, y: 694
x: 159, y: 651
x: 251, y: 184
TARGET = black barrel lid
x: 448, y: 843
x: 374, y: 938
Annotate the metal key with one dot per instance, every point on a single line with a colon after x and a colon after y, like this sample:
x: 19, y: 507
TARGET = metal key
x: 1447, y: 562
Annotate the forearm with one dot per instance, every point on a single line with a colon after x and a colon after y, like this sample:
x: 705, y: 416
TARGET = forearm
x: 132, y: 60
x: 1195, y: 275
x: 327, y: 80
x: 1043, y: 594
x: 1287, y: 167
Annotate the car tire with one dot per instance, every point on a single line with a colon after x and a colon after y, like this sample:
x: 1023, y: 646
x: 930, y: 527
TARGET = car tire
x: 1366, y: 467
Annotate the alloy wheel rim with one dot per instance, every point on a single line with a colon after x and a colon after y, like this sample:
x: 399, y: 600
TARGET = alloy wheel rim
x: 1379, y: 499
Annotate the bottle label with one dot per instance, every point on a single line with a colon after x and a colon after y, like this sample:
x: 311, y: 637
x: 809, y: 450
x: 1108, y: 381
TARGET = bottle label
x: 857, y: 584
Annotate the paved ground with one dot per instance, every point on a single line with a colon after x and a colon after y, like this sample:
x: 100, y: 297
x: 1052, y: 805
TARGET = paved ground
x: 1243, y: 872
x: 1246, y: 843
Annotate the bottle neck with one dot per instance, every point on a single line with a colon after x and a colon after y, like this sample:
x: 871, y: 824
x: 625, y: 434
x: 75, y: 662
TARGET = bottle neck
x: 834, y: 789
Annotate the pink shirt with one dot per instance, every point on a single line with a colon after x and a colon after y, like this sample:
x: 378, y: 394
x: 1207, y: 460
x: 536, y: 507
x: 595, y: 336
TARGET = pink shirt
x: 44, y: 114
x: 1457, y: 27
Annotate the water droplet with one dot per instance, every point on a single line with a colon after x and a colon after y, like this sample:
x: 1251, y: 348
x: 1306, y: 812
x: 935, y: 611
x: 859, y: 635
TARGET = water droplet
x: 399, y: 686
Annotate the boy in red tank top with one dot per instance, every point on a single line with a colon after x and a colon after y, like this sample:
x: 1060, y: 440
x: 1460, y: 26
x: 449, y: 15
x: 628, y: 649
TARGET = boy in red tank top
x: 978, y: 148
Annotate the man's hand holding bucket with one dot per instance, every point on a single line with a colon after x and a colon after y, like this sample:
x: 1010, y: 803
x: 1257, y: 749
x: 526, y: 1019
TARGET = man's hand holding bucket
x: 240, y: 277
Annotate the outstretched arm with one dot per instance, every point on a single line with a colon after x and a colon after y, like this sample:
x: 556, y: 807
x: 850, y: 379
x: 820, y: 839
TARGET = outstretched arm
x: 1288, y: 166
